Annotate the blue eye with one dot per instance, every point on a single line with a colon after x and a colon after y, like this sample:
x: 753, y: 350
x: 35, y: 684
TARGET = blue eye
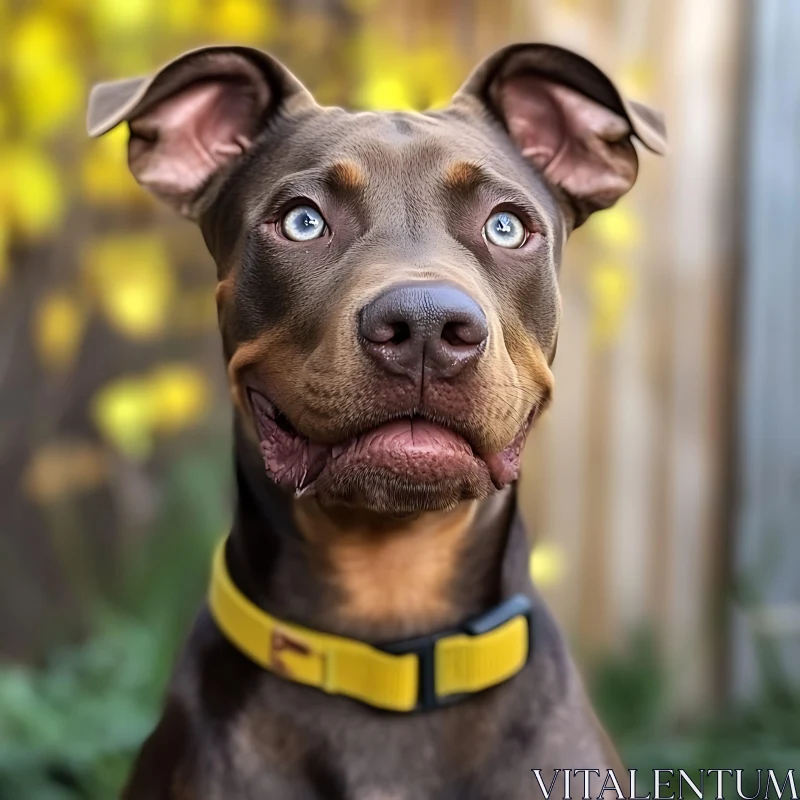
x: 505, y: 230
x: 302, y: 224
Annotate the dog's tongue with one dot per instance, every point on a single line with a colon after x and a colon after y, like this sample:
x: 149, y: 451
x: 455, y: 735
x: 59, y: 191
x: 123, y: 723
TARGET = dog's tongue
x: 404, y: 438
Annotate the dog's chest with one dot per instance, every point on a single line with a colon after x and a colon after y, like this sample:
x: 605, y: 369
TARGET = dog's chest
x: 309, y: 747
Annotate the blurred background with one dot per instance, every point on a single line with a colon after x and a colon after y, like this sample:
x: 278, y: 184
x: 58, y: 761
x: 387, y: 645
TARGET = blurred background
x: 662, y: 490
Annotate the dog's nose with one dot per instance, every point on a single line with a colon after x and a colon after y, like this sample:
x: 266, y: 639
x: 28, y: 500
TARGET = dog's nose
x: 430, y: 324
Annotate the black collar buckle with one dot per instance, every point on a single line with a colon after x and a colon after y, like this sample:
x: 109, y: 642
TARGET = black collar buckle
x: 424, y: 647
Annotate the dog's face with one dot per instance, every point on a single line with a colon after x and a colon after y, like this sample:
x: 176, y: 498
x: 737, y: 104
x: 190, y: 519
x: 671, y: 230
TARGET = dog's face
x: 387, y: 295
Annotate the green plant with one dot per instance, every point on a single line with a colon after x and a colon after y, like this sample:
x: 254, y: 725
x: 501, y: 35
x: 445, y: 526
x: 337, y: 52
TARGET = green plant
x: 632, y: 693
x: 70, y: 727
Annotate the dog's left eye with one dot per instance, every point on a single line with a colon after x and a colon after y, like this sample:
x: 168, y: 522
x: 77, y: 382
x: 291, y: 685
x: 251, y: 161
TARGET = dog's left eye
x: 505, y: 229
x: 302, y: 224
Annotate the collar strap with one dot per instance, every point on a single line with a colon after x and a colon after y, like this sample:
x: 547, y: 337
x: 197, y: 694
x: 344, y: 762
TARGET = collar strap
x: 428, y: 672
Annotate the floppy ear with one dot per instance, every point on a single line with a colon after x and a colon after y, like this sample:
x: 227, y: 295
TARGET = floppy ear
x: 568, y: 119
x: 194, y: 117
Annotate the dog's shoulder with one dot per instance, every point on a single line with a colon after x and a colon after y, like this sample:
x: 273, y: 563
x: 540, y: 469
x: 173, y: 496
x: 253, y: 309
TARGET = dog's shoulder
x: 184, y: 753
x: 163, y: 769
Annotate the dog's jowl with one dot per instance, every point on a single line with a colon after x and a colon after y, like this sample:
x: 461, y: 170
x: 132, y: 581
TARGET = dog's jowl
x: 389, y: 309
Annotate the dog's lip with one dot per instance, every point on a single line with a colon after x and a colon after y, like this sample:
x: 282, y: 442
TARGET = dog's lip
x: 261, y: 403
x: 430, y: 439
x: 504, y: 464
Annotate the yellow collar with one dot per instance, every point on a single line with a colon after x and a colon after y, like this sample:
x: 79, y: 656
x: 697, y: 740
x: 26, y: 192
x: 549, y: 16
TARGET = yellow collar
x: 423, y: 673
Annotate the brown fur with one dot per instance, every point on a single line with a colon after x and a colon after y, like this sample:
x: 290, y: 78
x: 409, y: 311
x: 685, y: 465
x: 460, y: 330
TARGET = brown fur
x: 247, y: 356
x: 400, y: 572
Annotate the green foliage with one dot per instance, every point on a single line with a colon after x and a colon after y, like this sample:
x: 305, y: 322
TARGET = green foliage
x: 70, y: 727
x: 632, y: 695
x: 629, y: 689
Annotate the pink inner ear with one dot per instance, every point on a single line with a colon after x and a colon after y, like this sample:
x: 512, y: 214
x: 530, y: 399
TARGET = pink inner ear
x: 177, y: 145
x: 579, y: 145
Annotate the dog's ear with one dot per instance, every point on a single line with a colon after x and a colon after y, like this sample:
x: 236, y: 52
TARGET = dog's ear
x: 195, y: 117
x: 568, y: 119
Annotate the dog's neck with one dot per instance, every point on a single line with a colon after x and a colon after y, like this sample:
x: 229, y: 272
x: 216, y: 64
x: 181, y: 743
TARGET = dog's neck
x: 364, y: 575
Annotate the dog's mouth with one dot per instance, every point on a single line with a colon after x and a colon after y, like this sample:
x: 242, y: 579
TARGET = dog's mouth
x: 412, y: 449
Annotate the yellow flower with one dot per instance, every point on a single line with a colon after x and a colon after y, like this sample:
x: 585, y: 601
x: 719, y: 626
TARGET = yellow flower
x: 179, y: 397
x: 546, y: 564
x: 37, y: 36
x: 121, y: 411
x: 610, y: 287
x: 250, y: 21
x: 58, y: 327
x: 183, y: 15
x: 617, y: 227
x: 105, y: 178
x: 438, y: 71
x: 131, y: 411
x: 4, y: 241
x: 51, y: 96
x: 384, y: 93
x: 63, y: 8
x: 130, y: 277
x: 123, y: 20
x: 126, y: 57
x: 30, y: 190
x: 45, y: 77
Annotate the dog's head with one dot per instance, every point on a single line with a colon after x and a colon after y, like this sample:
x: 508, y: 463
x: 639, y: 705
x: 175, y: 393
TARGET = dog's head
x: 387, y: 295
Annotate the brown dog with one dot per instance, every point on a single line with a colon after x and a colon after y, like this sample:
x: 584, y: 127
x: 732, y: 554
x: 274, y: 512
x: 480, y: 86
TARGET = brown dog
x: 389, y: 309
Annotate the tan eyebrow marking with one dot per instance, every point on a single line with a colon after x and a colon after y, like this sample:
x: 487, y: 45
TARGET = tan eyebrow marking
x: 463, y: 175
x: 348, y: 175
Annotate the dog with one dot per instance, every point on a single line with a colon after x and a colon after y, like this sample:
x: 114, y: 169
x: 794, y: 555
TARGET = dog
x: 389, y: 309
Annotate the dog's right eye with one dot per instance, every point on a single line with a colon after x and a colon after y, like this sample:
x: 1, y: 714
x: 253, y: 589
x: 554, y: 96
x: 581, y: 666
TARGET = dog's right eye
x: 302, y: 224
x: 505, y: 229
